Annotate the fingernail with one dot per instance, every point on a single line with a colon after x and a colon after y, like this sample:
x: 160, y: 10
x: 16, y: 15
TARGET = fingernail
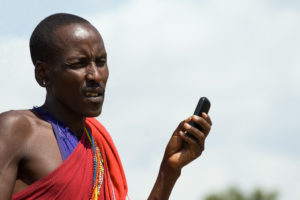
x: 188, y: 119
x: 187, y: 126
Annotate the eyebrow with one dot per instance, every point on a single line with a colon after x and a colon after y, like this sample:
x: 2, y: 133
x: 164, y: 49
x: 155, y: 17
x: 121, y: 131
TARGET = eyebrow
x: 75, y: 58
x: 102, y: 54
x: 82, y: 56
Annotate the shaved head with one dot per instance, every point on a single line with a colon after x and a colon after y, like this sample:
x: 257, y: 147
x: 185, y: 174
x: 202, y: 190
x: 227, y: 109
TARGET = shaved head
x: 42, y: 41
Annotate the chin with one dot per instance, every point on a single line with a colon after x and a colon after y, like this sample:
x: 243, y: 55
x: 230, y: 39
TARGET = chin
x: 92, y: 112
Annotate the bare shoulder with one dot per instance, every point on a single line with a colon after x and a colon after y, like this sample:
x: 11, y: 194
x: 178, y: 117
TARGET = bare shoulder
x: 16, y: 128
x: 14, y: 122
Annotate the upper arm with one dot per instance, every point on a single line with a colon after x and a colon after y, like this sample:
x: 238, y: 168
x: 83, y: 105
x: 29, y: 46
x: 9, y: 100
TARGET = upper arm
x: 12, y: 137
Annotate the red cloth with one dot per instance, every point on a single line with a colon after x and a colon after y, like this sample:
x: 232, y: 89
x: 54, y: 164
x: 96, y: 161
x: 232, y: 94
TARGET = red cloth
x: 114, y: 173
x: 73, y: 179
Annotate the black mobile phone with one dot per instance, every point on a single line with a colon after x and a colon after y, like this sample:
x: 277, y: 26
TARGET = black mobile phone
x: 203, y: 106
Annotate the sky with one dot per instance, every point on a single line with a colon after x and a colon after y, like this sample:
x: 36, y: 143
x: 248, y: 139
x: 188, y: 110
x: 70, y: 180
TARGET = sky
x: 163, y: 56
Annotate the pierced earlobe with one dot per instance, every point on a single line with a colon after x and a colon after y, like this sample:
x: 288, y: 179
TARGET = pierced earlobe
x: 44, y: 82
x: 41, y: 72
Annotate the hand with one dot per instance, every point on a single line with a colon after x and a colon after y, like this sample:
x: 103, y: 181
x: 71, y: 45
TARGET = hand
x: 182, y: 148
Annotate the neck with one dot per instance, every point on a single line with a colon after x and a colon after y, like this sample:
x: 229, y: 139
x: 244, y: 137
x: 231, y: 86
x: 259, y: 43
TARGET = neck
x: 73, y: 120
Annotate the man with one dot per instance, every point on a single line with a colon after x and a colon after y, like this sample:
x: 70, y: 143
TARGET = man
x: 58, y: 150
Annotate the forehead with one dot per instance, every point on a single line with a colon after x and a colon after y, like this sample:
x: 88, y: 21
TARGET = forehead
x: 78, y: 36
x: 81, y: 32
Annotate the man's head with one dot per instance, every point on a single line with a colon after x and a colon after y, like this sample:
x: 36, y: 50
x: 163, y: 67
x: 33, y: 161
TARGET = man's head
x: 70, y: 61
x: 42, y: 40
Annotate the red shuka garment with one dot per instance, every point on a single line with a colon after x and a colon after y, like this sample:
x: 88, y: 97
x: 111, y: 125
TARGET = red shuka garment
x: 73, y: 179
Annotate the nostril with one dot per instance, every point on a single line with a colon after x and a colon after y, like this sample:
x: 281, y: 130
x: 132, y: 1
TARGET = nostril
x: 93, y: 83
x: 92, y: 72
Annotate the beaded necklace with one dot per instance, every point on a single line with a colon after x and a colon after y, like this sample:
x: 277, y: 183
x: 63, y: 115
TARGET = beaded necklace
x: 98, y: 166
x: 67, y: 141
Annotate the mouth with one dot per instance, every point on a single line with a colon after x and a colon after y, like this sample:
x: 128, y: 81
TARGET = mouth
x: 94, y: 95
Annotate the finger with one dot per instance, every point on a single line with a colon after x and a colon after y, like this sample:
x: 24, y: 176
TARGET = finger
x: 180, y: 127
x: 181, y: 124
x: 207, y: 117
x: 194, y: 133
x: 188, y: 119
x: 205, y: 126
x: 197, y: 146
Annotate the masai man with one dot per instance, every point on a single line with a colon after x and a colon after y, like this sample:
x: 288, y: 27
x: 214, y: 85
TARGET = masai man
x: 59, y: 150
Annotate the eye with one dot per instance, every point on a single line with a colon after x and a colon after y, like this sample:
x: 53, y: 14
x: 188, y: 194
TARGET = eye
x: 76, y: 64
x: 100, y: 61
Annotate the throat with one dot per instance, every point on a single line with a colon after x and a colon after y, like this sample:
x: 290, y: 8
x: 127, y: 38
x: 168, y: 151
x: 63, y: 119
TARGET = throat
x: 67, y: 139
x: 68, y: 117
x: 78, y: 133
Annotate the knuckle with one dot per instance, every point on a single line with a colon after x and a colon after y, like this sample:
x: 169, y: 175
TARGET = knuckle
x: 208, y: 128
x: 202, y: 120
x: 195, y: 117
x: 202, y: 137
x: 181, y: 124
x: 195, y: 154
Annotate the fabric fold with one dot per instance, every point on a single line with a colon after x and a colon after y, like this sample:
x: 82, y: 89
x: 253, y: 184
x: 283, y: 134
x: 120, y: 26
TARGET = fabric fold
x: 73, y: 179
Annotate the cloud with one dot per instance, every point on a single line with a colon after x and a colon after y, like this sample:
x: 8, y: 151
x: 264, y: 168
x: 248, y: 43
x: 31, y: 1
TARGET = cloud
x: 241, y: 54
x: 163, y: 56
x: 18, y: 86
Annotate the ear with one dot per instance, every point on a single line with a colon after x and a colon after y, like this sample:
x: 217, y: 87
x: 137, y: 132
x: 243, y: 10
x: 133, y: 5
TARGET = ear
x: 42, y: 73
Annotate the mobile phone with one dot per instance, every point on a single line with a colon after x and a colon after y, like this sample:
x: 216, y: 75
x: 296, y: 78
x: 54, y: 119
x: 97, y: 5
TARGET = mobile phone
x: 202, y: 106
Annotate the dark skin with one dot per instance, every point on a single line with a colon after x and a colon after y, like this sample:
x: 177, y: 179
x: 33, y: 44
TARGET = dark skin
x: 75, y: 81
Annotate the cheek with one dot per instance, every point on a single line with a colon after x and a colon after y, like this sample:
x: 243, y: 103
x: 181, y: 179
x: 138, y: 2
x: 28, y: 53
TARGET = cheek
x: 104, y: 74
x: 68, y: 84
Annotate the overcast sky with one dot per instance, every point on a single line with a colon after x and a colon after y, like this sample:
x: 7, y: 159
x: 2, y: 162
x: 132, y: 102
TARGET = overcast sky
x: 163, y: 56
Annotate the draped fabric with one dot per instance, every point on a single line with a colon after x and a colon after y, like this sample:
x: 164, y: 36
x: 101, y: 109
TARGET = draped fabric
x: 66, y: 139
x: 116, y: 185
x: 73, y: 179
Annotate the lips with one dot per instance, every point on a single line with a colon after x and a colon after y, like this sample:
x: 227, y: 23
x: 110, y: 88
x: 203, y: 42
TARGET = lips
x: 94, y: 95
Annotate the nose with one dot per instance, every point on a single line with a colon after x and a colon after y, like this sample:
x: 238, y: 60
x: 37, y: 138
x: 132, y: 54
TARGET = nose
x: 93, y: 73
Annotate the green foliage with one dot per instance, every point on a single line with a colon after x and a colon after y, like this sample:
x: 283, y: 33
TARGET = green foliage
x: 236, y: 194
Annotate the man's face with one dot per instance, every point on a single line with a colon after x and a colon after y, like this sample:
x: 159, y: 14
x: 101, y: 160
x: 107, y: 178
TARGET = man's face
x: 79, y: 71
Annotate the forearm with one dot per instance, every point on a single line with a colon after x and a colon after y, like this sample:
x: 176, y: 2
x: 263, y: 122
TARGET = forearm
x: 165, y: 182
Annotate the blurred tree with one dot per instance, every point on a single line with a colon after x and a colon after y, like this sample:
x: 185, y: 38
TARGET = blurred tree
x: 236, y: 194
